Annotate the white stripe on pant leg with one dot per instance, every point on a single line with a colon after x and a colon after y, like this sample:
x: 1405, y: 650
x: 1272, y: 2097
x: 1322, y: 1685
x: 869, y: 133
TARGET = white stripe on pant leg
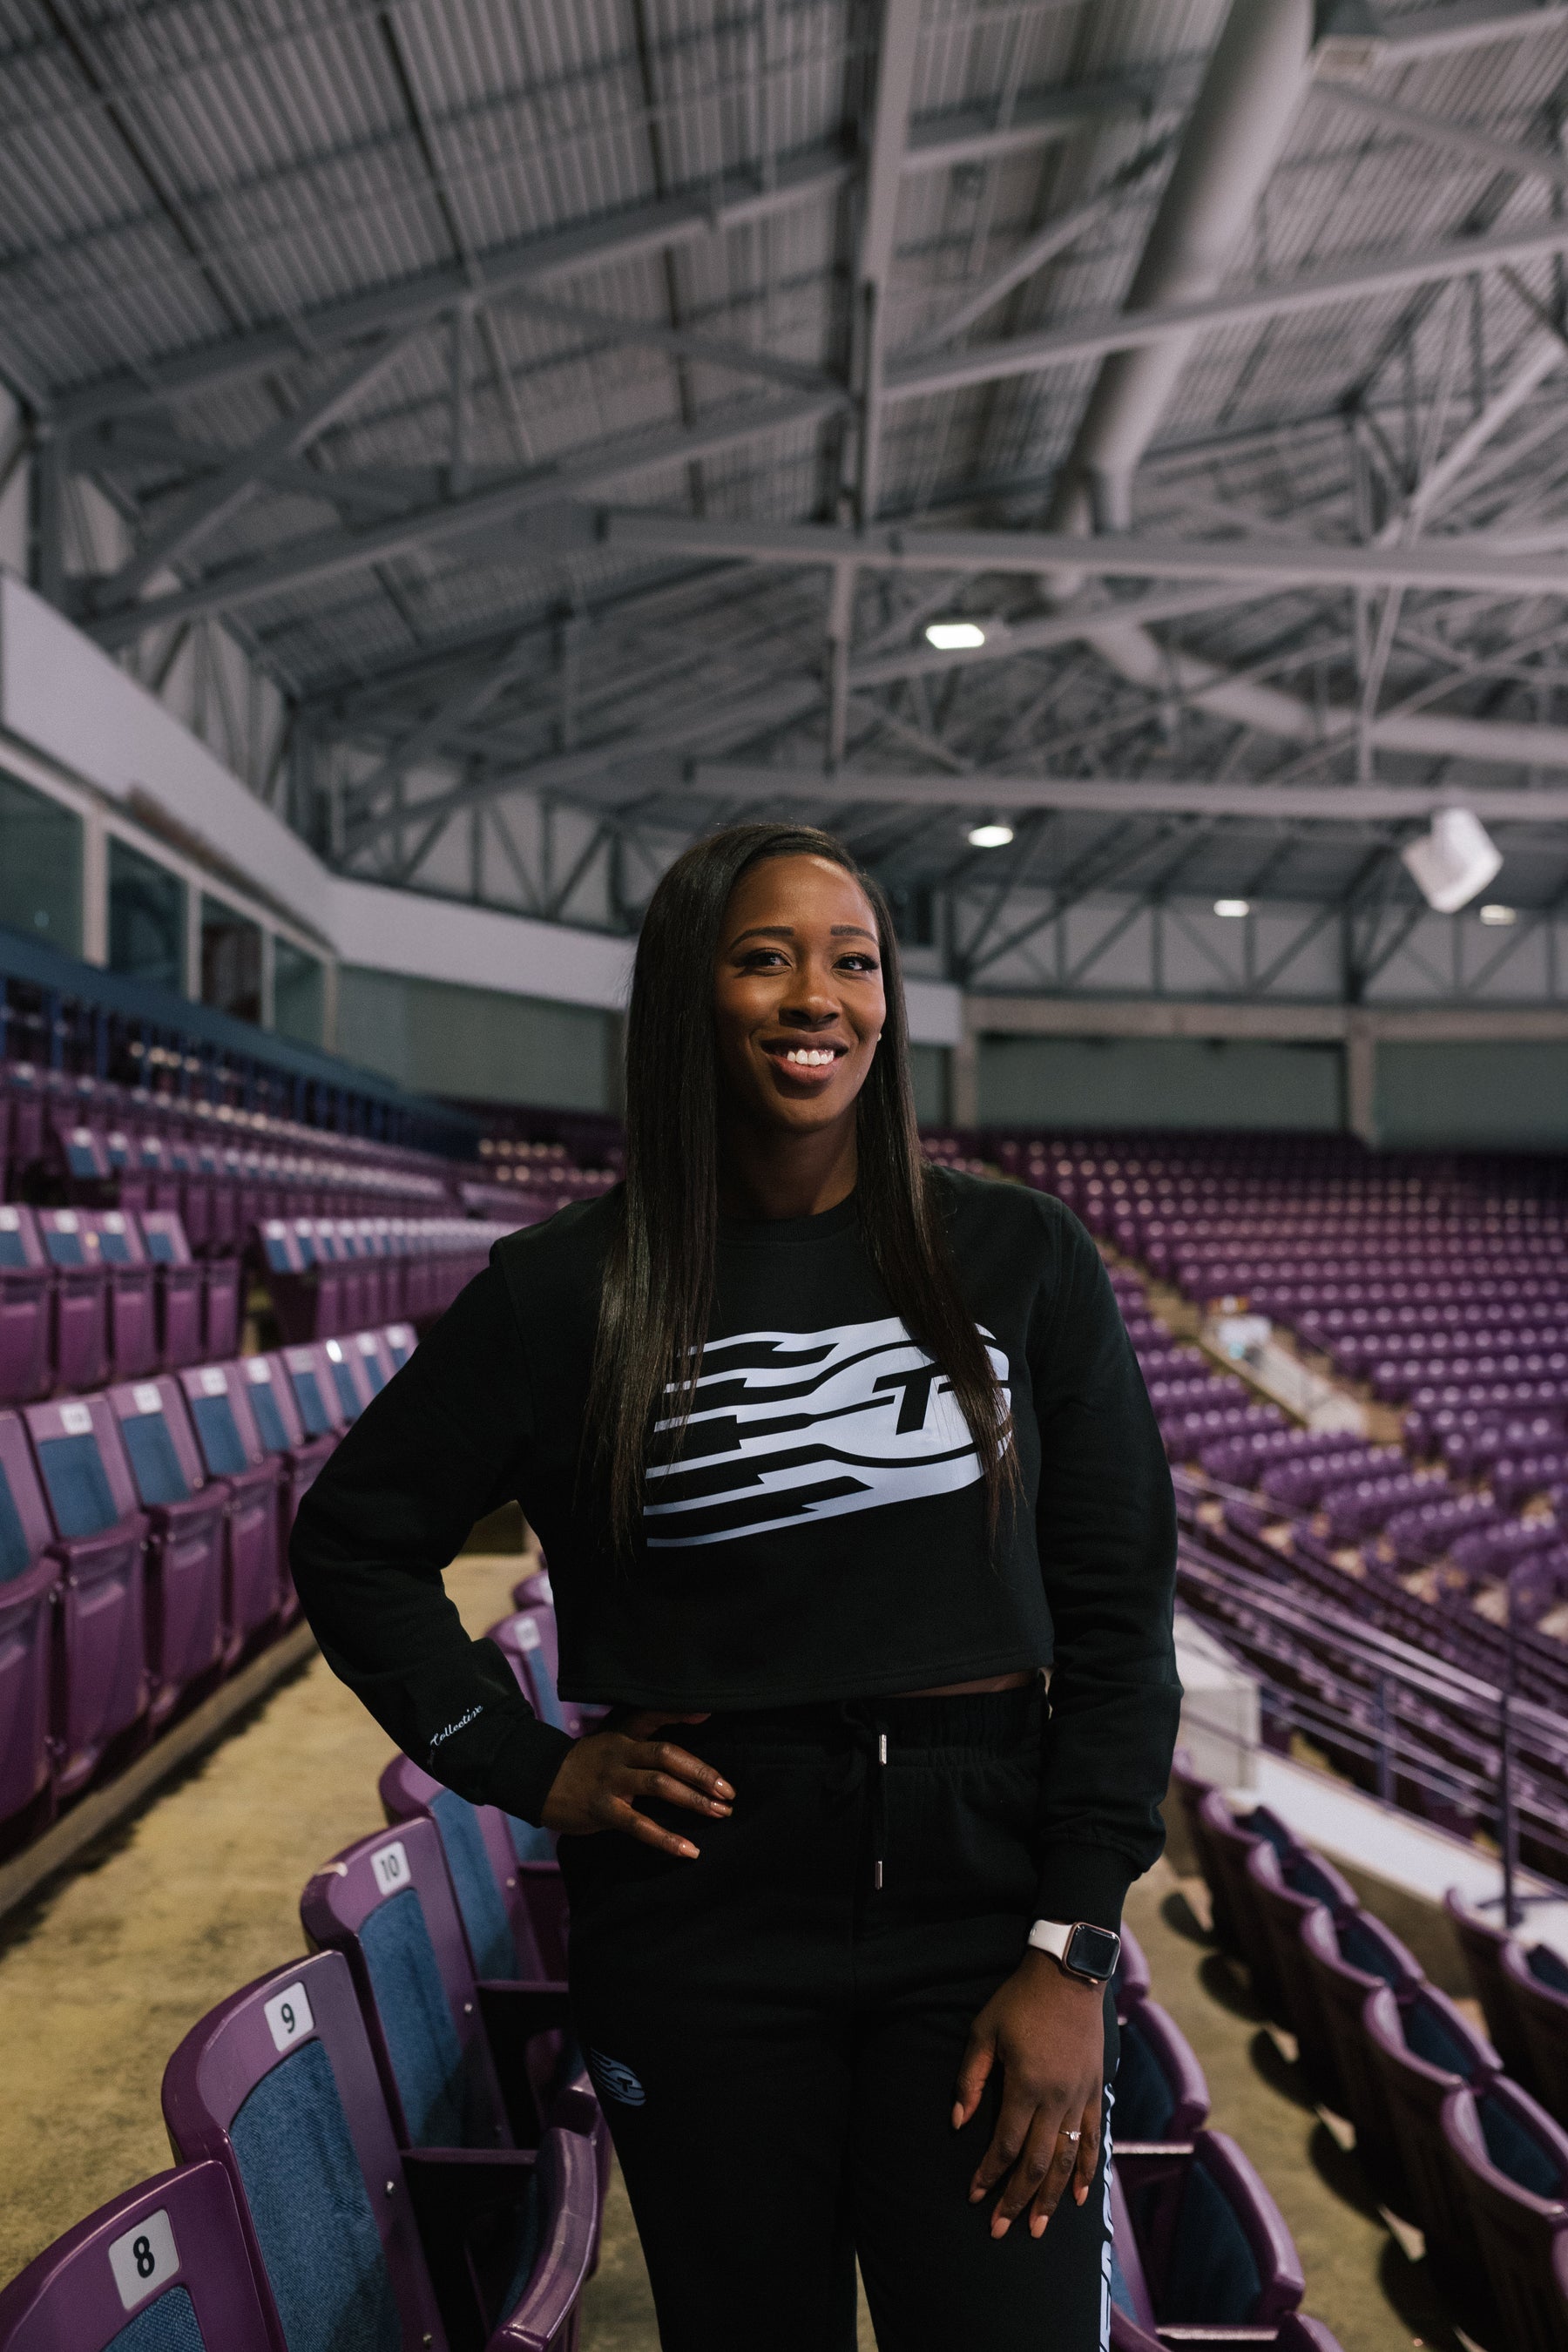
x: 1106, y: 2255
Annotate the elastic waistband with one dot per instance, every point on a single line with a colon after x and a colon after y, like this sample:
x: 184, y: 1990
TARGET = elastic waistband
x: 984, y: 1722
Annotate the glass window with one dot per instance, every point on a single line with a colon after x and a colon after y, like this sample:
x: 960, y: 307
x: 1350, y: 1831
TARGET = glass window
x: 40, y: 867
x: 231, y: 961
x: 299, y: 993
x: 146, y: 917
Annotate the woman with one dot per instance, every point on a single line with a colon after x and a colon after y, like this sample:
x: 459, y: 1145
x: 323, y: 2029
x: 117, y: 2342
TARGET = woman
x: 831, y: 1455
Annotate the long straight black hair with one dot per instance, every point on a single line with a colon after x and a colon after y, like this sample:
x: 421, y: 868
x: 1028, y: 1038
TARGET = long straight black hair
x: 657, y: 1294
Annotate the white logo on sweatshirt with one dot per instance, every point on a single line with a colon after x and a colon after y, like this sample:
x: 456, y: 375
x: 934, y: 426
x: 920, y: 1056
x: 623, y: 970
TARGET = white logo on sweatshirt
x: 790, y: 1427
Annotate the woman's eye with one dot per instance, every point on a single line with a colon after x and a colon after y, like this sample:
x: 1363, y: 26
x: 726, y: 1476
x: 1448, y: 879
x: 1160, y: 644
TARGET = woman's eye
x: 858, y: 963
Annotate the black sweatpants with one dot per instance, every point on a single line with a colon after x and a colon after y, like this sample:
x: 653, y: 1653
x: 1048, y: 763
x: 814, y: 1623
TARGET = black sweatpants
x: 776, y: 2037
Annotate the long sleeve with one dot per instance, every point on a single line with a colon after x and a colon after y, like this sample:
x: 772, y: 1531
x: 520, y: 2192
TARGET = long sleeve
x: 1107, y: 1533
x: 446, y: 1441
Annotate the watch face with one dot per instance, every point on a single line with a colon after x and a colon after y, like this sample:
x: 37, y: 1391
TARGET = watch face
x: 1094, y: 1950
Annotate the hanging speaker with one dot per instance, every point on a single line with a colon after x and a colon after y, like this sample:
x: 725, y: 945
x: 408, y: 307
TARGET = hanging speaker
x: 1452, y: 862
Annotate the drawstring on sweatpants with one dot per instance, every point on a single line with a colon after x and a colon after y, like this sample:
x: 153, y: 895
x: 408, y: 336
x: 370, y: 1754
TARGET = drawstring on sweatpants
x: 847, y: 1772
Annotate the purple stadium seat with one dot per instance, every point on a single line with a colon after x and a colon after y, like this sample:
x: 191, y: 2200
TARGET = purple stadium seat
x: 220, y: 1307
x: 375, y: 1360
x: 527, y: 1640
x: 1229, y: 1840
x: 1538, y: 1982
x: 1510, y: 2161
x: 341, y: 1370
x: 81, y: 1321
x: 130, y: 1302
x: 283, y: 1247
x: 1421, y: 2049
x: 165, y: 2267
x: 519, y: 1857
x: 179, y: 1287
x: 280, y: 1427
x: 1161, y: 2093
x: 1131, y: 1982
x: 1200, y: 2239
x: 466, y: 2060
x: 256, y: 1586
x: 24, y: 1298
x: 185, y: 1513
x: 402, y: 1340
x: 99, y: 1535
x: 357, y: 2240
x: 1283, y: 1891
x: 533, y: 1590
x: 29, y: 1595
x: 1345, y: 1959
x: 1483, y: 1943
x: 337, y: 1236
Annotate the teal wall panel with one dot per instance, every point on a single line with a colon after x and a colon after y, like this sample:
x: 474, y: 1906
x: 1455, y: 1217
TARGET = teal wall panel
x: 1476, y: 1095
x: 1159, y: 1082
x: 476, y: 1043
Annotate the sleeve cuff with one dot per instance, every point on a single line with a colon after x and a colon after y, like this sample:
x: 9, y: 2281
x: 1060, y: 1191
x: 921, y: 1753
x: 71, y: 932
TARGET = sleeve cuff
x: 1083, y: 1882
x: 526, y: 1767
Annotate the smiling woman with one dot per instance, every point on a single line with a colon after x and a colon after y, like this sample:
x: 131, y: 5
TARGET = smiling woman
x: 831, y: 1452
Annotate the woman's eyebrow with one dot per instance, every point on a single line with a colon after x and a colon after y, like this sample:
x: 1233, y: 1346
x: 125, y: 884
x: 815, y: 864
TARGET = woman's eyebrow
x: 764, y: 932
x: 850, y: 931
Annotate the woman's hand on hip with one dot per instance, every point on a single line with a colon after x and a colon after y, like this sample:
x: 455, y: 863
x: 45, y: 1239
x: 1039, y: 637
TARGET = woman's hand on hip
x: 1047, y: 2032
x: 599, y: 1783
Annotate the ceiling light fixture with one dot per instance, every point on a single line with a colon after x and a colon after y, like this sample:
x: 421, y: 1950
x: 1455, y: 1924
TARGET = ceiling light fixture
x: 955, y: 636
x: 1232, y: 907
x: 1454, y: 862
x: 1495, y: 914
x: 990, y: 837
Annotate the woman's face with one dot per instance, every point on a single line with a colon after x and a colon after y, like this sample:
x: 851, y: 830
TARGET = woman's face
x: 798, y: 1001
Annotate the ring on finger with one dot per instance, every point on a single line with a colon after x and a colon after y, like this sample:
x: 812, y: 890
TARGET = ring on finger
x: 1067, y: 2134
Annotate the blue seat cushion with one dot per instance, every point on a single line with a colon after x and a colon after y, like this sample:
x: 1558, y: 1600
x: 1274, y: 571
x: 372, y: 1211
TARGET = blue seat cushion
x: 1364, y: 1948
x: 1143, y: 2102
x: 307, y: 1396
x: 348, y: 1395
x: 478, y: 1896
x: 1304, y: 1876
x: 1546, y: 1968
x: 529, y: 1842
x: 1213, y: 2272
x: 11, y: 1250
x: 220, y: 1435
x: 1431, y: 2036
x: 1516, y: 2151
x: 168, y: 2324
x: 267, y: 1419
x: 78, y: 1484
x: 160, y: 1247
x: 154, y: 1464
x: 14, y: 1557
x: 320, y: 2244
x: 411, y: 2002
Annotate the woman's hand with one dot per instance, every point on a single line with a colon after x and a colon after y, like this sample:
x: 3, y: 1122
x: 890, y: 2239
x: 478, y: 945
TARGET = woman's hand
x: 1047, y: 2031
x: 606, y: 1770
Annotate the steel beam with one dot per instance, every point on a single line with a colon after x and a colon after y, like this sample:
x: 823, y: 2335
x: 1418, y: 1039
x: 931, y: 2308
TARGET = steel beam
x: 1274, y: 564
x: 1432, y: 131
x: 1350, y: 805
x: 329, y: 554
x: 1316, y: 289
x: 1470, y: 25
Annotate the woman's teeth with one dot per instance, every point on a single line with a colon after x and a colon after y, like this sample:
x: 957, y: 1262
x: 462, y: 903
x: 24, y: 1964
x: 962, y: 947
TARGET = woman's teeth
x: 808, y: 1058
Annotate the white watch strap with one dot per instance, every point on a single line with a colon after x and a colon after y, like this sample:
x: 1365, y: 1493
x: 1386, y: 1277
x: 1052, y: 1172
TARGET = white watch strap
x: 1050, y: 1935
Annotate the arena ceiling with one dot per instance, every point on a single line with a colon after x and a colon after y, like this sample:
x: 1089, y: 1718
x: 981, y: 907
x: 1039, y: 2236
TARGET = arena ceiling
x: 590, y: 404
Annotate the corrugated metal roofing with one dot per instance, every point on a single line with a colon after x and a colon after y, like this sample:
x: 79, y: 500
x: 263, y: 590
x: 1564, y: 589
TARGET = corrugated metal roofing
x: 200, y: 198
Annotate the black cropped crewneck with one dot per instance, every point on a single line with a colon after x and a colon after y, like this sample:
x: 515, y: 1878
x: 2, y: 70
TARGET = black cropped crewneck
x: 822, y: 1534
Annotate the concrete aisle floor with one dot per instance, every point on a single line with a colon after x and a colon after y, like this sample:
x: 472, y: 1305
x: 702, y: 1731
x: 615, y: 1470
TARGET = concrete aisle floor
x: 1358, y: 2281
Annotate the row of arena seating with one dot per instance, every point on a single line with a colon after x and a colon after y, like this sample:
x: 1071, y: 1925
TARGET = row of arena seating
x: 87, y: 1296
x: 220, y: 1166
x: 392, y: 2141
x: 143, y: 1539
x: 1447, y: 2126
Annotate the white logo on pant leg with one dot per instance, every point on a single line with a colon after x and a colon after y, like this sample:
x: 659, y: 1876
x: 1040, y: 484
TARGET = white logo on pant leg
x: 615, y: 2080
x: 788, y: 1427
x: 1106, y: 2249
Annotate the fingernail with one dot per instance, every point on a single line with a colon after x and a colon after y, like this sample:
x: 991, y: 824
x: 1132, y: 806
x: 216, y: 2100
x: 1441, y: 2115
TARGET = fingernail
x: 688, y: 1850
x: 957, y: 2118
x: 1081, y: 2194
x: 724, y: 1790
x: 1037, y: 2226
x: 975, y: 2195
x: 999, y: 2226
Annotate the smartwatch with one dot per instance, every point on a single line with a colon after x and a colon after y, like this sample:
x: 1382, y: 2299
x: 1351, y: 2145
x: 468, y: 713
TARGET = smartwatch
x: 1088, y: 1953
